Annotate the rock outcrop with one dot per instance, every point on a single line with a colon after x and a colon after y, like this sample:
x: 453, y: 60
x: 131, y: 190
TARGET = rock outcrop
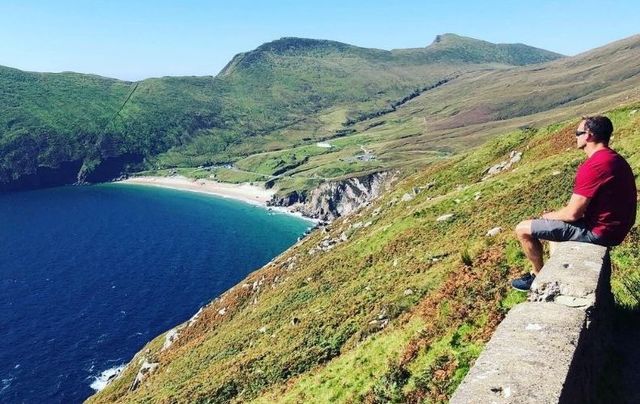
x: 145, y: 370
x: 514, y: 157
x: 337, y: 198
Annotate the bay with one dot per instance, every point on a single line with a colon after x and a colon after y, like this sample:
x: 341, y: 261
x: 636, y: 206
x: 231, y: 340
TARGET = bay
x: 90, y: 274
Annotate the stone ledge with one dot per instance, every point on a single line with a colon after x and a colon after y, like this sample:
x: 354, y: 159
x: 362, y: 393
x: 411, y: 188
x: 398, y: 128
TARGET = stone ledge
x: 547, y: 350
x: 572, y: 271
x: 528, y: 357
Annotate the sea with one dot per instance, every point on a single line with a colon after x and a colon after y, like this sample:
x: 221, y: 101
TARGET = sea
x: 90, y: 274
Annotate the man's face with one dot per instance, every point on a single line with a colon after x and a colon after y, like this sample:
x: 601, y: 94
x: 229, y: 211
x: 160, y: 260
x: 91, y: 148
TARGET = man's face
x: 581, y: 136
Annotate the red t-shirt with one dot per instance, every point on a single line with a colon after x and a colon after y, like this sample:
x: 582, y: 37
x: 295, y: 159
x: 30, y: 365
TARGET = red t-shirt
x: 607, y: 179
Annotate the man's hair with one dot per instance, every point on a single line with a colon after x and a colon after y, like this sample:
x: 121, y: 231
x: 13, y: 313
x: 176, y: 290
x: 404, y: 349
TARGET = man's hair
x: 600, y: 126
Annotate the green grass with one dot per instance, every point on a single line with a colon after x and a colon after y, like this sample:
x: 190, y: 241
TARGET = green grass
x: 237, y: 177
x: 315, y: 88
x: 312, y: 88
x: 350, y: 375
x: 399, y: 266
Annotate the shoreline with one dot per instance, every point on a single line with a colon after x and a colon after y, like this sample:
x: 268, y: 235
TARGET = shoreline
x: 251, y: 194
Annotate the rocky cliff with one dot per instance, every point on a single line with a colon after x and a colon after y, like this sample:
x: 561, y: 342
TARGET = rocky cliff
x: 79, y: 171
x: 337, y: 198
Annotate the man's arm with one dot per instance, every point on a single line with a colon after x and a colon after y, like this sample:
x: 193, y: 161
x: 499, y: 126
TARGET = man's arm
x: 573, y: 211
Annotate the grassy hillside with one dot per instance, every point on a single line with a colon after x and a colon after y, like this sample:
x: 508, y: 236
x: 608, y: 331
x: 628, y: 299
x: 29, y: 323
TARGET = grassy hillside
x: 463, y: 113
x: 283, y: 93
x: 391, y: 304
x: 47, y: 119
x: 296, y: 91
x: 452, y: 47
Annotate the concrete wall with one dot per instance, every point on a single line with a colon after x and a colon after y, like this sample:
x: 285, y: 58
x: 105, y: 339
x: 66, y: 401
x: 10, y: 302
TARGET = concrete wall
x: 550, y: 348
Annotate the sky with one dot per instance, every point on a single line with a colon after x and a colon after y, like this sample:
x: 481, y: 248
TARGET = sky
x: 133, y: 40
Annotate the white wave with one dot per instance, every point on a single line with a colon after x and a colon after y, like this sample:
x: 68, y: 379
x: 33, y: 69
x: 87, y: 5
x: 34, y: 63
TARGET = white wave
x: 102, y: 380
x: 6, y: 383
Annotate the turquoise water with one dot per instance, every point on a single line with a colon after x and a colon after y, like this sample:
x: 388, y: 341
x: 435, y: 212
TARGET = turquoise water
x: 88, y: 275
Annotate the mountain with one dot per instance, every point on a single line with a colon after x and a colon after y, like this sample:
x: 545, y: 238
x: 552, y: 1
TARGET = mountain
x: 67, y: 127
x: 310, y: 75
x: 446, y: 48
x: 453, y: 48
x: 392, y: 303
x: 464, y: 112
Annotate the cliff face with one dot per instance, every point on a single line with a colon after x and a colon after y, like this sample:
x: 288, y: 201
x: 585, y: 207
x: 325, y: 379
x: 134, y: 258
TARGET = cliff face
x: 73, y: 172
x: 337, y: 198
x: 43, y: 177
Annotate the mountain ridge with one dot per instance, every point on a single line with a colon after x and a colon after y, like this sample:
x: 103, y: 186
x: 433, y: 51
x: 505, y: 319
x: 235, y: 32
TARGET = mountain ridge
x: 472, y: 107
x: 194, y: 121
x: 440, y: 50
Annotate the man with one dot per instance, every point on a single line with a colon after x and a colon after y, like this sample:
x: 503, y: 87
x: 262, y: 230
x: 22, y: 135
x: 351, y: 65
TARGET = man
x: 602, y: 208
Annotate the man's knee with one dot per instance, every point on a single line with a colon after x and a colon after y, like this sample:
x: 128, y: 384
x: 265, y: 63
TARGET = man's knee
x: 523, y: 229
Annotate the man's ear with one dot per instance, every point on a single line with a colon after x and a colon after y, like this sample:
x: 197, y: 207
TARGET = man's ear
x: 590, y: 137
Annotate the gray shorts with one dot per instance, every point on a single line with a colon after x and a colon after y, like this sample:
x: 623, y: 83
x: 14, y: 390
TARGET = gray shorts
x: 557, y: 230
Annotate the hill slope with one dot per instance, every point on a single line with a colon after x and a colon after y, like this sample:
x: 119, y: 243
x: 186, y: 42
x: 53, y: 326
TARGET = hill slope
x: 456, y: 48
x: 393, y: 303
x: 467, y: 111
x: 96, y: 126
x: 48, y: 120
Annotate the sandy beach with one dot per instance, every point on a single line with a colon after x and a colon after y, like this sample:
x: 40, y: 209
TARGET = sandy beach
x: 243, y: 192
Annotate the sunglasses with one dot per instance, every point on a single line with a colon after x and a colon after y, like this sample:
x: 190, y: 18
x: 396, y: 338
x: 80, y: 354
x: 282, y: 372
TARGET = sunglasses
x: 580, y: 132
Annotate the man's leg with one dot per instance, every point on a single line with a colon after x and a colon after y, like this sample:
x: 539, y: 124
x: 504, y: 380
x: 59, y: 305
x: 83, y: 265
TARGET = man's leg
x: 532, y: 246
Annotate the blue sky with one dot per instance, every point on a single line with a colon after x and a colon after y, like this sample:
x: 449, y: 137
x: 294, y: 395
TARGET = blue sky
x: 133, y: 40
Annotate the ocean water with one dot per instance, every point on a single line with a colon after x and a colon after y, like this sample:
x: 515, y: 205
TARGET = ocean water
x: 88, y: 275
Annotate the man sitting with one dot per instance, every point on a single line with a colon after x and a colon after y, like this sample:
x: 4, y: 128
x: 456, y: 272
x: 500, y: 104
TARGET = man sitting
x: 602, y: 208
